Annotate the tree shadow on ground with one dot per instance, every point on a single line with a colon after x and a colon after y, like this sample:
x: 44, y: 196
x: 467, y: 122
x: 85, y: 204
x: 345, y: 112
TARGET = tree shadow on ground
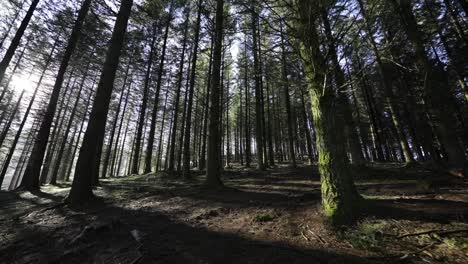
x: 428, y: 210
x: 161, y: 240
x: 16, y: 203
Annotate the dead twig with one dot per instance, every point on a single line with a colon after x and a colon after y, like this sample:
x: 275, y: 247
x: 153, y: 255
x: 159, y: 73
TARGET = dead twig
x: 425, y: 248
x: 438, y: 232
x: 319, y: 238
x: 137, y: 259
x: 52, y: 207
x: 305, y: 237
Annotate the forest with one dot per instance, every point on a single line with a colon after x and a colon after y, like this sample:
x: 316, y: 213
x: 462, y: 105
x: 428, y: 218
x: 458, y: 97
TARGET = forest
x: 233, y: 131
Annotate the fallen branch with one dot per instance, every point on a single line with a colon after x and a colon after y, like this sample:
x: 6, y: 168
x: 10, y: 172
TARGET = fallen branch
x: 52, y: 207
x: 319, y: 238
x: 137, y: 259
x: 417, y: 251
x: 438, y: 232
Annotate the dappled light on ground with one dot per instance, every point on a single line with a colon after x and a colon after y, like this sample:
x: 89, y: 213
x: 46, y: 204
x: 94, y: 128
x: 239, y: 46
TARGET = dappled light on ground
x: 267, y: 217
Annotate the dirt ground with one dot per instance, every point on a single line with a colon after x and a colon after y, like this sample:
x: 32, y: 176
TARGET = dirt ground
x: 411, y: 215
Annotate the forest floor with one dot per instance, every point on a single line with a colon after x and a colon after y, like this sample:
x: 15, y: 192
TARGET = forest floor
x: 411, y: 216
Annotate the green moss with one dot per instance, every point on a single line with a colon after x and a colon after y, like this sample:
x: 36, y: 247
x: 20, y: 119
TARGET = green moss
x: 367, y: 235
x: 264, y: 217
x: 455, y: 243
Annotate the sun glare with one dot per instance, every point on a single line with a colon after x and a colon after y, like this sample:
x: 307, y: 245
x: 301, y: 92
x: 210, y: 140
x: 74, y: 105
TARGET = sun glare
x: 20, y: 82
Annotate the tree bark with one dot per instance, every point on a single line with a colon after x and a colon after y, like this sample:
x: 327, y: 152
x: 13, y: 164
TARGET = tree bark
x: 149, y: 146
x: 107, y: 155
x: 258, y: 97
x: 213, y: 164
x: 83, y: 120
x: 344, y: 106
x: 177, y: 95
x: 114, y: 156
x: 287, y: 102
x: 58, y: 160
x: 82, y: 183
x: 161, y: 133
x: 142, y: 115
x: 188, y: 117
x: 339, y: 196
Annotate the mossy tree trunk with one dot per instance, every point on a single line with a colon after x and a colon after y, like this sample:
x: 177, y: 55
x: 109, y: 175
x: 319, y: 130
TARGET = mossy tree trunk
x: 339, y: 196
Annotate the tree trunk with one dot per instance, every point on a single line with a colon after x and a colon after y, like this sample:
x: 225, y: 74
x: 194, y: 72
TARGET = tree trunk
x: 150, y: 145
x: 339, y: 196
x: 310, y: 154
x: 437, y: 96
x: 177, y: 95
x: 213, y: 164
x: 248, y: 147
x: 161, y: 133
x: 63, y: 110
x: 82, y: 183
x: 389, y: 95
x: 344, y: 106
x: 10, y: 120
x: 31, y: 175
x: 83, y: 120
x: 12, y: 24
x: 206, y: 110
x: 188, y: 117
x: 141, y: 119
x: 182, y: 129
x: 292, y: 156
x: 16, y: 39
x: 122, y: 148
x: 114, y: 156
x: 23, y: 157
x: 258, y: 98
x: 12, y: 148
x: 53, y: 179
x: 107, y: 155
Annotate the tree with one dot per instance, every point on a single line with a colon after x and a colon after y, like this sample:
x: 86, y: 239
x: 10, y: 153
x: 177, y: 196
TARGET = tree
x: 31, y: 175
x: 149, y: 146
x: 287, y: 102
x: 258, y: 94
x: 144, y: 103
x: 339, y: 196
x: 213, y: 163
x: 437, y: 96
x: 16, y: 39
x: 188, y: 117
x: 180, y: 75
x: 82, y: 182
